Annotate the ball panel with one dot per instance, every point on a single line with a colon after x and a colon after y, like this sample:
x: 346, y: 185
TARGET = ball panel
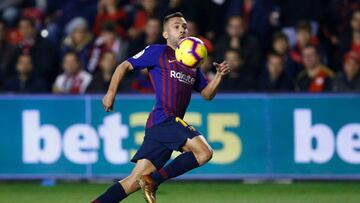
x: 189, y: 61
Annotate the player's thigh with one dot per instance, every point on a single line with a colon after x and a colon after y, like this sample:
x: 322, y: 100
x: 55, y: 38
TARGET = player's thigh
x: 198, y: 145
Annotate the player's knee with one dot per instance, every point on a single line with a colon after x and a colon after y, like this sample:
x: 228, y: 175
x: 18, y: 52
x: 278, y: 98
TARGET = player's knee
x: 205, y: 156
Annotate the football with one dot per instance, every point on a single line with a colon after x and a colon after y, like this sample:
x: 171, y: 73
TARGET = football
x: 191, y: 52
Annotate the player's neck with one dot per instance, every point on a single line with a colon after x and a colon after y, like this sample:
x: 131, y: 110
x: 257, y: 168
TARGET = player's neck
x: 170, y: 45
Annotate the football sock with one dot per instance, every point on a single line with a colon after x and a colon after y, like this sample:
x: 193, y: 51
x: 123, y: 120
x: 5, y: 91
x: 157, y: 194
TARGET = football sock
x: 180, y: 165
x: 113, y: 194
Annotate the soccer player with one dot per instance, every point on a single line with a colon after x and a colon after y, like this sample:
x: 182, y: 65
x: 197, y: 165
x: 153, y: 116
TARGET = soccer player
x: 165, y: 129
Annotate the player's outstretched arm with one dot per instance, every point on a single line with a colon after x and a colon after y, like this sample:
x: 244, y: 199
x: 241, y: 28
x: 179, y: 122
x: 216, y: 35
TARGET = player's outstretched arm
x: 210, y: 90
x: 120, y: 71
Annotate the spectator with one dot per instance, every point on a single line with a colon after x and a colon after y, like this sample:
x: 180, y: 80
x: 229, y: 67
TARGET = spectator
x: 79, y: 40
x: 274, y: 77
x: 74, y: 80
x: 237, y: 39
x: 146, y: 9
x: 102, y: 77
x: 239, y: 79
x: 351, y: 41
x: 66, y: 10
x: 43, y: 54
x: 349, y: 79
x: 315, y: 77
x: 334, y: 23
x: 25, y: 80
x: 9, y: 10
x: 304, y: 38
x: 108, y: 10
x: 256, y: 15
x: 107, y: 41
x: 280, y: 45
x: 6, y: 50
x: 151, y: 35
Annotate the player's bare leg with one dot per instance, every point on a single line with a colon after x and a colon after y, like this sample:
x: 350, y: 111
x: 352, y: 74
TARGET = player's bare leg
x: 200, y: 148
x: 142, y: 167
x: 196, y: 152
x: 128, y: 185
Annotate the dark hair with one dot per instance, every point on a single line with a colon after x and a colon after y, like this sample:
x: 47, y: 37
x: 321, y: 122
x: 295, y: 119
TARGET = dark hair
x: 72, y: 53
x: 277, y: 55
x: 303, y: 25
x: 316, y: 48
x: 172, y: 15
x: 280, y: 35
x: 235, y: 16
x: 273, y: 53
x: 77, y: 58
x: 108, y: 26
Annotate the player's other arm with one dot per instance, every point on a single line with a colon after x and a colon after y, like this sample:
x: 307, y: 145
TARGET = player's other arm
x: 209, y: 92
x: 120, y: 71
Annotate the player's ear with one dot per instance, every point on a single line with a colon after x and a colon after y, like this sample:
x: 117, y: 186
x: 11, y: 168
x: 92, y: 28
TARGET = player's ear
x: 165, y: 34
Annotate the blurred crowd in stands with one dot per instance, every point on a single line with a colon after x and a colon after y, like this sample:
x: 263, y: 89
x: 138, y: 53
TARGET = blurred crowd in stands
x: 73, y: 46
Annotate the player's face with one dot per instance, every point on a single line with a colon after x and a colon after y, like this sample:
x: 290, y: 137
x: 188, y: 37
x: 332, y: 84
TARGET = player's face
x: 175, y: 30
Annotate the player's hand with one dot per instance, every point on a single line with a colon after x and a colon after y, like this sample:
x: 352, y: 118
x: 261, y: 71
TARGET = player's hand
x: 108, y: 102
x: 222, y: 68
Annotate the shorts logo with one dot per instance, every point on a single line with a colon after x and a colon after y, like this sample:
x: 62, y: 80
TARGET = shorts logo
x: 182, y: 77
x: 182, y: 122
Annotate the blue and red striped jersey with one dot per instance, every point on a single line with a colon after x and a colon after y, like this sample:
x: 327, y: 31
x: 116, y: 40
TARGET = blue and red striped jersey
x: 173, y: 83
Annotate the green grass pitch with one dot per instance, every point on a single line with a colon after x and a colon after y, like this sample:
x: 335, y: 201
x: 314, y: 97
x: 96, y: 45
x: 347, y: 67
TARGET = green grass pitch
x: 190, y: 192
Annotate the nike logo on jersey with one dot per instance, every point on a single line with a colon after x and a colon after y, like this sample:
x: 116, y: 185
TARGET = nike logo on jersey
x: 171, y: 61
x: 182, y: 77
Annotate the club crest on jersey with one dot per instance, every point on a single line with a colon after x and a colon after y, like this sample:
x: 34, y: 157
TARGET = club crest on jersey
x: 182, y: 77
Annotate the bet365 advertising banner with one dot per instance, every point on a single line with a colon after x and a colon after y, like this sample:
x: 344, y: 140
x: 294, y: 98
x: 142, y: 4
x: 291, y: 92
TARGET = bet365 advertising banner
x: 253, y: 136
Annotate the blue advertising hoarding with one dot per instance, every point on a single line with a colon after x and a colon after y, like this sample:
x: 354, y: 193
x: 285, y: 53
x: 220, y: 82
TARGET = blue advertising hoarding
x: 253, y: 136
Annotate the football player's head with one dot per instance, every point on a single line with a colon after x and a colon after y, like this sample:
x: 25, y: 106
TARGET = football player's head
x: 174, y: 28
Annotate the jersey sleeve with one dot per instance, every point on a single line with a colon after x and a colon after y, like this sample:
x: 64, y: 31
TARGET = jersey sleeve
x: 201, y: 81
x: 146, y: 58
